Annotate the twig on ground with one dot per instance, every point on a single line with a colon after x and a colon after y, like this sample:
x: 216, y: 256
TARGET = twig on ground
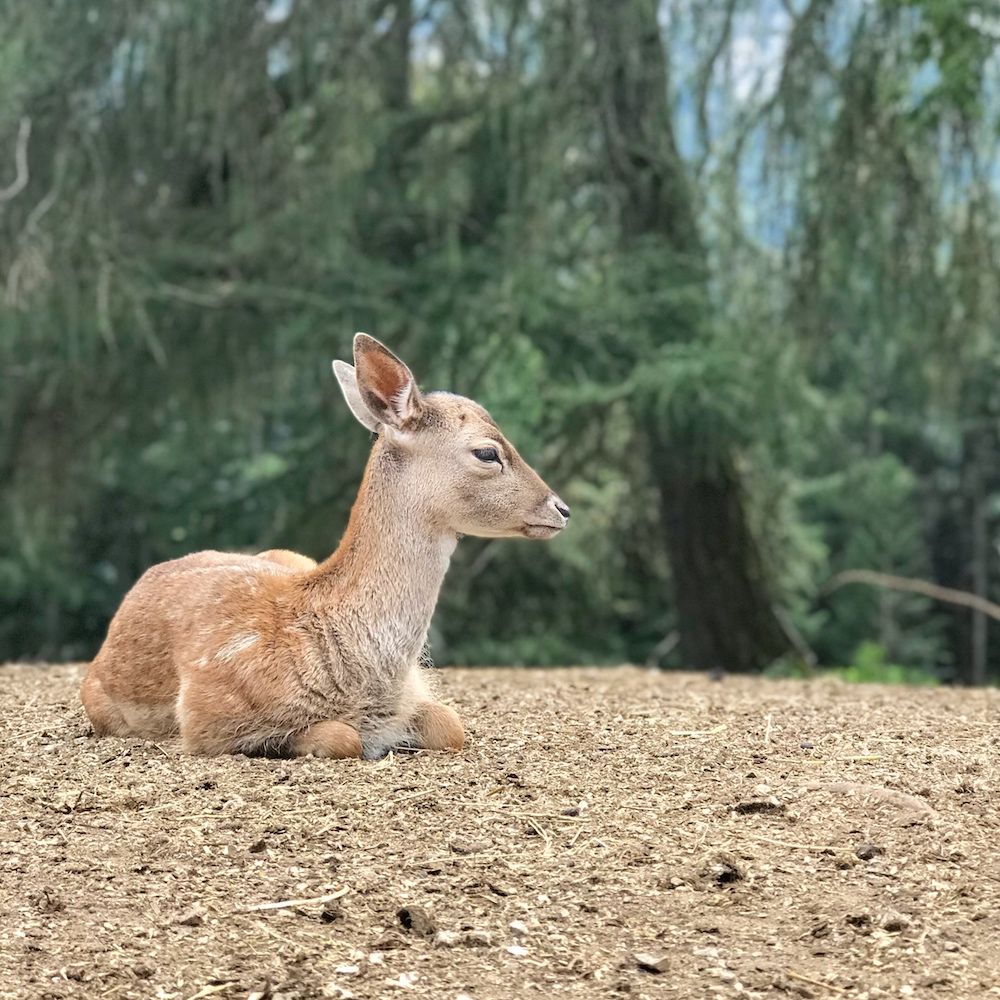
x: 813, y: 982
x: 714, y: 731
x: 875, y: 792
x: 207, y: 991
x: 789, y: 844
x: 284, y: 903
x: 543, y: 833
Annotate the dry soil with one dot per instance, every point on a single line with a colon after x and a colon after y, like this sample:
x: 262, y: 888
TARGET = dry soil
x: 606, y: 833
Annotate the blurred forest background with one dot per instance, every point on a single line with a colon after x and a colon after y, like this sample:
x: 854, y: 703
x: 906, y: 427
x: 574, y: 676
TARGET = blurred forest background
x: 726, y: 271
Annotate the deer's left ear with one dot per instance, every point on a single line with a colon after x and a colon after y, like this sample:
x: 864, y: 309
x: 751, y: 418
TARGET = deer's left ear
x: 352, y: 394
x: 386, y: 386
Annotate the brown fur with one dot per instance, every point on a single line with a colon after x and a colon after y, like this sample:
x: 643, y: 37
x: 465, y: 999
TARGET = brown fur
x: 275, y: 654
x: 290, y: 559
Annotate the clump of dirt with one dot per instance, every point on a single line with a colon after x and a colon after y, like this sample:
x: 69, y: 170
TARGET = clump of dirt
x: 605, y: 833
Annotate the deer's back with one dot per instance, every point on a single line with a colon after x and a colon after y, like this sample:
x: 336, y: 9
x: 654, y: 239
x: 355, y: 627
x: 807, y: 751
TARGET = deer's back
x: 183, y: 613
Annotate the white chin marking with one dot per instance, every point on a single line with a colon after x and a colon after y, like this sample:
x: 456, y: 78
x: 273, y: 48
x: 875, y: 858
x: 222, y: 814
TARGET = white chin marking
x: 540, y: 531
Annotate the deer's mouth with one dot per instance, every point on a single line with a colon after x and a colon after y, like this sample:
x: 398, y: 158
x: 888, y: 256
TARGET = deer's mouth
x: 541, y: 531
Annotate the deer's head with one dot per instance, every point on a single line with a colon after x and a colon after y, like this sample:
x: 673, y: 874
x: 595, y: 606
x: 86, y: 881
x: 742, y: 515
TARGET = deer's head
x: 456, y: 467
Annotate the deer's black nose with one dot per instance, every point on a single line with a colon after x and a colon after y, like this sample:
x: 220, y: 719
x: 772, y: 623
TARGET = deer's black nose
x: 562, y: 508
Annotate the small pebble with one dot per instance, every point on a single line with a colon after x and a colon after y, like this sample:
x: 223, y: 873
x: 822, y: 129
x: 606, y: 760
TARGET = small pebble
x: 193, y: 918
x: 502, y: 888
x: 460, y: 846
x: 807, y: 745
x: 868, y: 852
x: 518, y: 928
x: 895, y: 922
x: 331, y: 990
x: 417, y: 919
x: 478, y: 939
x: 655, y: 962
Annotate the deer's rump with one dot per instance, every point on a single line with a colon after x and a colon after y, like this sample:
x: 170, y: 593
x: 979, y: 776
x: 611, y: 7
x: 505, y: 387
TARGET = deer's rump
x: 186, y: 614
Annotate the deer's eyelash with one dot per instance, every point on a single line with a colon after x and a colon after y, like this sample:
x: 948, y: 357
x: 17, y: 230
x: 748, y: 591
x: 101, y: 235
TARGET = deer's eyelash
x: 487, y: 455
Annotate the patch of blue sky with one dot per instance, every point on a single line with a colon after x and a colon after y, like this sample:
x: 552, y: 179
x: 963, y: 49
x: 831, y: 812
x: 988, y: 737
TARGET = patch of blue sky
x: 278, y: 11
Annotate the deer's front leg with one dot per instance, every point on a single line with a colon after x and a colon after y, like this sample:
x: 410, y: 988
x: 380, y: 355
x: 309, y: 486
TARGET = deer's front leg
x: 437, y: 727
x: 329, y: 738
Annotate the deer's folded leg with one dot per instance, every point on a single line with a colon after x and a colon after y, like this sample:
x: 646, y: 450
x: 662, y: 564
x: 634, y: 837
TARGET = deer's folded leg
x: 326, y: 739
x: 437, y: 727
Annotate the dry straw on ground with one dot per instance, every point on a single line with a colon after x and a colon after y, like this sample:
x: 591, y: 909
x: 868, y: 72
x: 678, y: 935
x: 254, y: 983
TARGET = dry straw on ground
x: 605, y: 833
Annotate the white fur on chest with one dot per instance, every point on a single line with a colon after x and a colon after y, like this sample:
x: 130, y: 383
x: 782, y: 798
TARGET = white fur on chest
x: 377, y: 742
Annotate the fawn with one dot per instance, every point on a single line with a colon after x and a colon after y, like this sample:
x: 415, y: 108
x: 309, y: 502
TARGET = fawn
x: 275, y: 654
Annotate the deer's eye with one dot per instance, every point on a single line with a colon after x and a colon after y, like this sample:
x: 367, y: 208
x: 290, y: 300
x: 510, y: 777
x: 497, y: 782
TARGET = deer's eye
x: 487, y: 454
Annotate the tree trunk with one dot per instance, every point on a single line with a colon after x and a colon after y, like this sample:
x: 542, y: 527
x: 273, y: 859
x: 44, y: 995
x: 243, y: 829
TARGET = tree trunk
x: 726, y: 618
x: 980, y: 556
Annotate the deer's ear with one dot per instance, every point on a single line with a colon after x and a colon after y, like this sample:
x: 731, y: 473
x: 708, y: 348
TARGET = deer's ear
x: 352, y: 394
x: 387, y: 387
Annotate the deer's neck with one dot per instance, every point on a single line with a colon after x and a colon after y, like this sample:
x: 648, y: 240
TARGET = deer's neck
x: 379, y: 589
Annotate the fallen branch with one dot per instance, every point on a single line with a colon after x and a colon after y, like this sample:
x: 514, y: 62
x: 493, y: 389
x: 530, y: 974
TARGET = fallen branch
x: 792, y: 974
x: 664, y: 646
x: 207, y: 991
x: 927, y: 589
x: 877, y: 792
x: 282, y: 904
x: 714, y: 731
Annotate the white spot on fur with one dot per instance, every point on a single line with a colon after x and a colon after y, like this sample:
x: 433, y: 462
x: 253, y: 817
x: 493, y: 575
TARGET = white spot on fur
x: 238, y: 644
x: 268, y: 567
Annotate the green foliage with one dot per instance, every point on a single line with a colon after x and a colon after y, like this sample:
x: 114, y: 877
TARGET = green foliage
x: 789, y: 289
x: 870, y: 516
x: 869, y: 667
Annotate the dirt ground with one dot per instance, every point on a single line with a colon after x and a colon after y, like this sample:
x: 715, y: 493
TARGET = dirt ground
x: 606, y: 833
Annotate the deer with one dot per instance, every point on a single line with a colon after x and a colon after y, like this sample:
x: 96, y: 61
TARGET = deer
x: 275, y: 654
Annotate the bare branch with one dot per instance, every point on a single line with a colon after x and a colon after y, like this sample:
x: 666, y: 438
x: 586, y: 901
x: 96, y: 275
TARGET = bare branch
x: 705, y: 80
x: 931, y: 590
x: 21, y: 176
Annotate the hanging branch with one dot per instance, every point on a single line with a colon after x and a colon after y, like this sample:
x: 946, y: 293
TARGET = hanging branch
x: 931, y: 590
x: 20, y: 181
x: 705, y: 82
